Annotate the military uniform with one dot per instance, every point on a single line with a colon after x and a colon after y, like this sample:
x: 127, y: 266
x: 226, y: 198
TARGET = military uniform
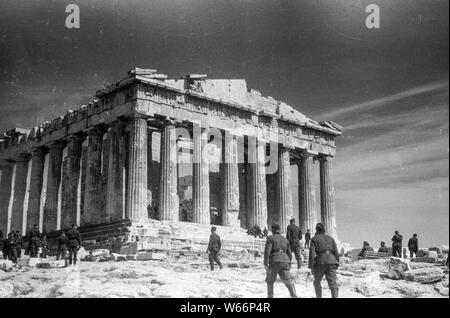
x: 413, y: 246
x: 214, y: 248
x: 74, y: 239
x: 62, y: 247
x: 19, y: 243
x: 324, y: 261
x: 364, y: 250
x: 307, y: 239
x: 34, y: 242
x: 383, y: 249
x: 12, y: 248
x: 397, y: 245
x: 277, y: 260
x: 45, y: 248
x: 294, y: 235
x: 5, y: 248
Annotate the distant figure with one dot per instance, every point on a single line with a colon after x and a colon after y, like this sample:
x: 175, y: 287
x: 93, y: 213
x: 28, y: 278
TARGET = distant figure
x: 12, y: 250
x: 74, y: 239
x: 45, y: 247
x: 397, y: 244
x: 324, y: 261
x: 5, y: 247
x: 307, y: 238
x: 277, y: 261
x: 265, y: 232
x: 34, y: 242
x: 214, y: 248
x: 19, y: 243
x: 383, y: 248
x: 413, y: 246
x: 62, y: 246
x: 366, y: 248
x: 294, y: 235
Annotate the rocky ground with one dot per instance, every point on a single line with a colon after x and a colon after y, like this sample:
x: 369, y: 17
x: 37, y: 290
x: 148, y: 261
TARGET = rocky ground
x: 243, y: 276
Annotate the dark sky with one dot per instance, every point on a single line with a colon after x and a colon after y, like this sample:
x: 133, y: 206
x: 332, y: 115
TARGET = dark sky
x: 388, y: 87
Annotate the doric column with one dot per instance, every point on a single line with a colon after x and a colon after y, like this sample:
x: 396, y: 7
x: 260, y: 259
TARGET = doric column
x: 20, y: 188
x: 137, y: 170
x: 200, y: 175
x: 257, y: 187
x: 168, y: 197
x: 230, y: 179
x: 115, y: 198
x: 71, y: 173
x: 284, y: 195
x: 306, y: 195
x: 7, y: 170
x: 93, y: 204
x: 53, y: 183
x: 36, y: 181
x: 327, y: 196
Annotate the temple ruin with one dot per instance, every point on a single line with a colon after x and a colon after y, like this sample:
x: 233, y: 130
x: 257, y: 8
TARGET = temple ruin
x: 193, y: 149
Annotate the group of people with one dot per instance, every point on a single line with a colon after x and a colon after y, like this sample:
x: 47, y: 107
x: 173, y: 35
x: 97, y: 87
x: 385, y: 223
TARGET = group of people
x: 69, y: 242
x: 323, y: 257
x: 255, y: 231
x: 397, y: 243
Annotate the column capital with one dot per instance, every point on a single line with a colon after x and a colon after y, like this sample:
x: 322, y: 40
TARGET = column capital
x: 23, y: 157
x: 6, y: 162
x: 39, y: 151
x: 324, y: 158
x: 96, y: 130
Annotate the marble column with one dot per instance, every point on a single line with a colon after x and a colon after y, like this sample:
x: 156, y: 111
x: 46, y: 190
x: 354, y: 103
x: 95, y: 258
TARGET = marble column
x: 93, y: 212
x: 20, y: 188
x: 137, y: 170
x: 53, y: 183
x: 200, y: 177
x: 230, y: 180
x: 284, y: 195
x: 168, y: 196
x: 327, y: 196
x: 7, y: 170
x: 72, y: 168
x: 306, y: 195
x: 36, y: 182
x: 115, y: 199
x: 257, y: 214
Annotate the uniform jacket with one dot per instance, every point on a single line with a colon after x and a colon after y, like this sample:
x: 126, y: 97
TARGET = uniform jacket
x: 397, y: 240
x: 307, y: 236
x: 74, y: 237
x: 413, y: 244
x: 62, y: 242
x: 214, y: 243
x: 365, y: 249
x: 277, y: 250
x: 383, y: 249
x: 323, y: 250
x: 293, y: 234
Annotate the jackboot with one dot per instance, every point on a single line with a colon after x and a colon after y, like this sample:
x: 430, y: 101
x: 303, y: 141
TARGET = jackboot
x: 318, y: 290
x: 269, y: 290
x: 292, y: 291
x: 335, y: 292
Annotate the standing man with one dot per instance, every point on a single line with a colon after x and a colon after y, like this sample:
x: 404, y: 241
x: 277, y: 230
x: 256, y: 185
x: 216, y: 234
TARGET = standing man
x: 307, y: 238
x: 397, y: 245
x: 12, y: 248
x: 74, y: 238
x: 5, y: 247
x: 19, y: 243
x: 62, y: 246
x: 214, y: 248
x: 413, y: 246
x: 294, y: 235
x: 324, y: 261
x: 34, y: 242
x: 45, y: 247
x: 277, y: 261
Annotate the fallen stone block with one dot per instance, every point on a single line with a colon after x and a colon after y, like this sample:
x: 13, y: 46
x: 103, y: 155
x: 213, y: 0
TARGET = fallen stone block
x: 425, y: 275
x: 398, y: 267
x: 144, y: 256
x: 433, y: 254
x: 441, y: 289
x: 131, y: 257
x: 425, y: 260
x: 118, y: 258
x: 375, y: 255
x: 23, y: 262
x: 130, y: 248
x: 58, y: 264
x: 81, y: 255
x: 43, y: 265
x: 6, y: 265
x: 32, y: 262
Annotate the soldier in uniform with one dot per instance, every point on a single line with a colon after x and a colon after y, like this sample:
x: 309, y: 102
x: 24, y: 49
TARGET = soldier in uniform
x: 74, y: 238
x: 324, y: 261
x: 214, y: 248
x: 413, y: 246
x: 12, y: 248
x: 294, y: 235
x: 62, y: 246
x: 277, y: 261
x: 4, y: 246
x: 19, y: 243
x: 397, y: 244
x: 34, y: 242
x: 383, y: 248
x: 366, y: 248
x: 307, y: 238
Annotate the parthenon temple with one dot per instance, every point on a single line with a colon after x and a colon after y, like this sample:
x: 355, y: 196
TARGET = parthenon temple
x: 194, y: 149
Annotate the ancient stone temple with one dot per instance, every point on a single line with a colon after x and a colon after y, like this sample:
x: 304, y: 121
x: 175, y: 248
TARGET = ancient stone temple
x: 146, y: 141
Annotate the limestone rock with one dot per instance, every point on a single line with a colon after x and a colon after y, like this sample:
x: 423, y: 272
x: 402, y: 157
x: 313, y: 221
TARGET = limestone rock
x: 441, y: 289
x: 425, y: 260
x: 6, y: 289
x: 398, y: 267
x: 425, y: 275
x: 6, y: 265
